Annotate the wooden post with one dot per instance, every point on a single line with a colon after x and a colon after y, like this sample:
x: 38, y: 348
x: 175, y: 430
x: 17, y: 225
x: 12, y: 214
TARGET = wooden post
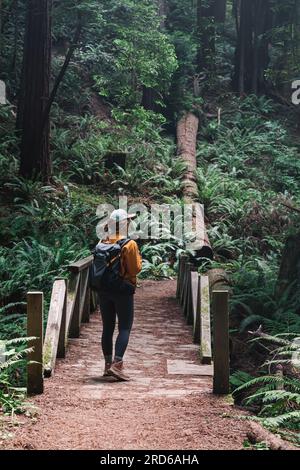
x: 77, y: 301
x: 85, y: 296
x: 179, y: 277
x: 54, y: 324
x: 76, y: 320
x: 186, y: 288
x: 189, y: 305
x: 86, y: 306
x: 61, y: 349
x: 205, y: 327
x: 196, y: 306
x: 35, y: 380
x: 183, y: 280
x: 221, y: 341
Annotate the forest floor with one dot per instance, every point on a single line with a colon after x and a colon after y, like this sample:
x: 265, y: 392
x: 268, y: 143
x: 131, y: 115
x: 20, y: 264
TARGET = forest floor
x: 168, y: 404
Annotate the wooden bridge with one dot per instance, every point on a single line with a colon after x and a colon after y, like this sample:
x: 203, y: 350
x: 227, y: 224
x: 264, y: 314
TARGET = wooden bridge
x: 177, y: 359
x: 72, y: 303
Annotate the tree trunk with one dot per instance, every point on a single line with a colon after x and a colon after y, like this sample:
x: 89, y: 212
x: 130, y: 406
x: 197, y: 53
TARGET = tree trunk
x: 244, y: 51
x: 253, y: 20
x: 206, y: 36
x: 162, y: 11
x: 0, y: 23
x: 148, y: 98
x: 220, y: 10
x: 218, y: 279
x: 35, y: 158
x: 288, y: 283
x: 187, y: 130
x: 16, y: 34
x: 263, y: 22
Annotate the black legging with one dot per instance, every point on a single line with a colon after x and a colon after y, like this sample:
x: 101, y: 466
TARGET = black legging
x: 112, y: 306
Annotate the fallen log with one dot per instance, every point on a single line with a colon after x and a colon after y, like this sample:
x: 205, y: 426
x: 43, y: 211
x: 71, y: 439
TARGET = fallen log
x: 218, y: 279
x: 187, y: 130
x: 258, y: 434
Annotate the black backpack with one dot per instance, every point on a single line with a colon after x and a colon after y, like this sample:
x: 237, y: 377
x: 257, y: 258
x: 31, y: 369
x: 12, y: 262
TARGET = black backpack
x: 104, y: 274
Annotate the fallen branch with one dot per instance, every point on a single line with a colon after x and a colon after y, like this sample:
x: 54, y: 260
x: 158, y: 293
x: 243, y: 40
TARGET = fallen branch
x: 258, y: 434
x: 259, y: 333
x: 290, y: 206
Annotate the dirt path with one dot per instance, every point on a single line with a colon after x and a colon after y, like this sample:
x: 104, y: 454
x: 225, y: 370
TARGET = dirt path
x: 161, y: 408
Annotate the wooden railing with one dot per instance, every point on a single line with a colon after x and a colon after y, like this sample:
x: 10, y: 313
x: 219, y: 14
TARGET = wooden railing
x: 70, y: 305
x: 198, y: 295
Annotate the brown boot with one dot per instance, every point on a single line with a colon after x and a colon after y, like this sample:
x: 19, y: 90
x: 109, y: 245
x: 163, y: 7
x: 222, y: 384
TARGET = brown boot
x: 106, y: 369
x: 117, y: 372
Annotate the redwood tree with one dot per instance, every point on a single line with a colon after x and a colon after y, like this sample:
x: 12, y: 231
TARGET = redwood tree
x: 32, y: 118
x: 209, y: 14
x: 254, y: 20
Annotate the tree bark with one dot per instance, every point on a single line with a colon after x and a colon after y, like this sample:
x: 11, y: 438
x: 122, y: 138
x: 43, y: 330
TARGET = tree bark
x: 187, y: 130
x: 220, y: 10
x: 244, y: 51
x: 258, y: 434
x: 0, y: 24
x: 16, y: 34
x: 35, y: 157
x: 206, y: 36
x: 162, y: 12
x: 148, y: 98
x: 253, y: 20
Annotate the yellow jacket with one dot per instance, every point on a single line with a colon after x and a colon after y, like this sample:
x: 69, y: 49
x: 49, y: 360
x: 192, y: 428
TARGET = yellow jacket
x: 131, y: 260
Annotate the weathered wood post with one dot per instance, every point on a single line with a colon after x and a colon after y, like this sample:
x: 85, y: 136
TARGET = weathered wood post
x: 35, y: 380
x: 54, y: 343
x: 187, y: 280
x: 205, y: 323
x: 62, y: 340
x: 189, y: 299
x: 75, y: 319
x: 220, y: 301
x: 179, y: 276
x: 183, y: 279
x: 195, y: 305
x: 86, y: 295
x: 80, y: 271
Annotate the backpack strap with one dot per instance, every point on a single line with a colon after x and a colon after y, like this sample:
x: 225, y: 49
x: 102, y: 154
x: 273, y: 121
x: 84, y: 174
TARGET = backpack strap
x: 123, y: 242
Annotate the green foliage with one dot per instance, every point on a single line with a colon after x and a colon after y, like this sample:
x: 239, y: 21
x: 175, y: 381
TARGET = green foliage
x: 157, y: 258
x: 277, y: 395
x: 8, y: 143
x: 133, y: 52
x: 245, y: 165
x: 12, y: 397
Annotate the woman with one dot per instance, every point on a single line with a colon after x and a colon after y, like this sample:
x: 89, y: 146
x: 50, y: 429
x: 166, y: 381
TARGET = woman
x: 119, y: 305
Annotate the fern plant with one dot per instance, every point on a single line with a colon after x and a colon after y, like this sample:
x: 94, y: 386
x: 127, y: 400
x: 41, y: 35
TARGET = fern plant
x: 277, y: 395
x: 12, y: 397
